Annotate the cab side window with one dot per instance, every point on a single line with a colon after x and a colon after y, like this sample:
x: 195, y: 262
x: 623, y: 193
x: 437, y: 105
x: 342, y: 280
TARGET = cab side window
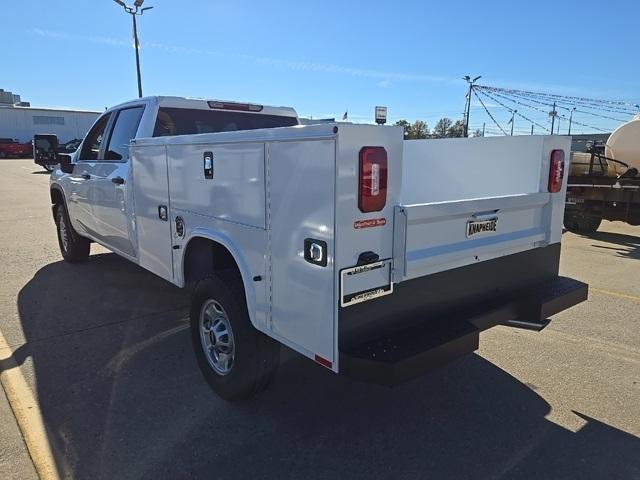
x: 93, y: 141
x: 124, y: 130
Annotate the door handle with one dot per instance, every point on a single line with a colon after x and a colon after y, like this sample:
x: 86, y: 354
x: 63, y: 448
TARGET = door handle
x: 118, y: 180
x: 85, y: 176
x: 163, y: 213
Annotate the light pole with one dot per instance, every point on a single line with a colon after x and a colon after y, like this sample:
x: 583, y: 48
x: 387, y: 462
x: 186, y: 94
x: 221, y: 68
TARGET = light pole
x: 470, y: 81
x: 570, y: 119
x: 134, y: 10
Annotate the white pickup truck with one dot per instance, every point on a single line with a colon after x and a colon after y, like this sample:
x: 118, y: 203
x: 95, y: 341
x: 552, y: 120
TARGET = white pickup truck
x: 375, y: 257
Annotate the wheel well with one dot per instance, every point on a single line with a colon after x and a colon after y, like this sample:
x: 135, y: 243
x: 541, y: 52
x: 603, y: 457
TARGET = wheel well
x: 56, y: 197
x: 204, y: 256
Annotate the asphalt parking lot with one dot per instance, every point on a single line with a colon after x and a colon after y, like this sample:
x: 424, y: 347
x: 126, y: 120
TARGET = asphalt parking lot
x: 105, y: 354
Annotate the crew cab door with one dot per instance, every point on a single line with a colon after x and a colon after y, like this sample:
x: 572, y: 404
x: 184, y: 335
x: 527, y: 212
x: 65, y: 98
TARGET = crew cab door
x: 82, y: 193
x: 110, y: 178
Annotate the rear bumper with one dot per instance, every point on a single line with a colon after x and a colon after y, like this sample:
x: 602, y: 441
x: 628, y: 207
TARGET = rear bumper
x: 402, y: 355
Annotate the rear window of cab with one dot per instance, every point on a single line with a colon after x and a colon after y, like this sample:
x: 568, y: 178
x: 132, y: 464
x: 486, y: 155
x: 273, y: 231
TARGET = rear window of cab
x: 184, y: 121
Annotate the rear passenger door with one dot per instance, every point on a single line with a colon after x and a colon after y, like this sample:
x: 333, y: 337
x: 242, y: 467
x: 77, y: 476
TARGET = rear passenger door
x: 111, y: 178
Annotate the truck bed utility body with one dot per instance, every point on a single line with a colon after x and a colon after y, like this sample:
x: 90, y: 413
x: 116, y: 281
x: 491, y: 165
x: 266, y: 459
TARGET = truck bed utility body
x: 376, y: 257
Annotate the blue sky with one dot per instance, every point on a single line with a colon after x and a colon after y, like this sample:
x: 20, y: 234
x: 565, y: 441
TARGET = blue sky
x: 322, y: 57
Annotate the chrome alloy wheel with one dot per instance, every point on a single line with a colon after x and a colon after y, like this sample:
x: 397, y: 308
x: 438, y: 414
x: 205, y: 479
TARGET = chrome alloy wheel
x: 64, y: 233
x: 216, y: 337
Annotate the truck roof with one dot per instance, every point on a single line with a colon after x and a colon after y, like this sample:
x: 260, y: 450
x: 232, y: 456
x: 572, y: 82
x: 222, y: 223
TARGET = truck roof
x: 208, y: 104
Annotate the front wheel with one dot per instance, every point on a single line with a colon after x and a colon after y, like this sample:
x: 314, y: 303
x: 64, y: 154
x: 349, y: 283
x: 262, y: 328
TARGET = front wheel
x: 73, y: 247
x: 236, y: 360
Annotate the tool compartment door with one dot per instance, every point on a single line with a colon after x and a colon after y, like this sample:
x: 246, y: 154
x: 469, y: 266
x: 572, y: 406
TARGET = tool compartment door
x: 152, y: 217
x: 301, y: 178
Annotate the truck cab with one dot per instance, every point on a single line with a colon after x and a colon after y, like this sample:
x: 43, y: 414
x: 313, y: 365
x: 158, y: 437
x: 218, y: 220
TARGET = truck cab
x: 97, y: 188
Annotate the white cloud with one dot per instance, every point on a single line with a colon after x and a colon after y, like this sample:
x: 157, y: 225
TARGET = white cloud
x: 385, y: 77
x: 82, y: 38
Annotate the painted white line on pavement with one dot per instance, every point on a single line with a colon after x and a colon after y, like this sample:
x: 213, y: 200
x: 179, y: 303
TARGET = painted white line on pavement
x: 27, y: 413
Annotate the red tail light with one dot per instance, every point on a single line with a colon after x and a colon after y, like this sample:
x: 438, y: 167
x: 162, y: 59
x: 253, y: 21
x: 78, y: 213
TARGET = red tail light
x: 556, y: 171
x: 372, y: 189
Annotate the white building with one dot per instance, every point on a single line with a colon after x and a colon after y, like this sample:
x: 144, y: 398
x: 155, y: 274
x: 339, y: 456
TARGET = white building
x: 22, y: 123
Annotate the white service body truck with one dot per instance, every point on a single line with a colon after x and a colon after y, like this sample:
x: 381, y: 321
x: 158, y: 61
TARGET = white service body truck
x: 374, y: 256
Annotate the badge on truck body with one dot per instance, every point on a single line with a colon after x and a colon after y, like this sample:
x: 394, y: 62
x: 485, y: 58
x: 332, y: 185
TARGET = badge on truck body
x: 475, y: 227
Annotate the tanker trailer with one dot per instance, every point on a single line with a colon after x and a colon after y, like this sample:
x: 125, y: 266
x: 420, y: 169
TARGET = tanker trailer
x: 604, y: 183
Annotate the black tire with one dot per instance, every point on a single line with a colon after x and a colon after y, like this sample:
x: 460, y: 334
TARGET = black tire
x: 581, y: 223
x: 73, y: 247
x: 255, y: 355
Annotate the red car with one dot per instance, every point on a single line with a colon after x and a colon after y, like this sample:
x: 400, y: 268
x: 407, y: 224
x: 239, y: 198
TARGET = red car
x: 10, y: 148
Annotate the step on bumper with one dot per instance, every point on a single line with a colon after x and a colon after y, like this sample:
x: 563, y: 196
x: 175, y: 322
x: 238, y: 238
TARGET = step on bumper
x: 412, y: 352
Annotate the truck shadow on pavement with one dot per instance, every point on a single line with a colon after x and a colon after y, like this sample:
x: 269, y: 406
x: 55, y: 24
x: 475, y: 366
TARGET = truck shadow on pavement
x: 625, y: 245
x: 121, y: 397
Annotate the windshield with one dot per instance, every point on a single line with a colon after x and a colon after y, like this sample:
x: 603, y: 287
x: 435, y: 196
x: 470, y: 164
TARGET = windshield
x: 184, y: 121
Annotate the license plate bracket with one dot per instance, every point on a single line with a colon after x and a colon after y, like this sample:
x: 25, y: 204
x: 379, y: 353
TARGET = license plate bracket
x: 365, y: 282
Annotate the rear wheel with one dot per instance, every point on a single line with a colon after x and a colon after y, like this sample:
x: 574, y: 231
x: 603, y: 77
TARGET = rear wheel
x: 73, y: 247
x: 236, y: 360
x: 581, y: 223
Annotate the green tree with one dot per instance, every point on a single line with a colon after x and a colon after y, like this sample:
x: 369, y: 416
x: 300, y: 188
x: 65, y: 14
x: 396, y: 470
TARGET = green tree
x: 406, y: 125
x: 456, y: 130
x: 415, y: 130
x: 442, y: 127
x: 419, y: 129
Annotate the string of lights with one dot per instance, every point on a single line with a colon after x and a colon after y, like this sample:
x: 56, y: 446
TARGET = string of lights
x: 514, y: 111
x: 550, y: 100
x: 487, y: 110
x: 574, y: 109
x: 565, y: 98
x: 546, y: 112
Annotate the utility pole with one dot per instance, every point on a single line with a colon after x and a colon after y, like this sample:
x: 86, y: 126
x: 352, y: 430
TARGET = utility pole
x: 553, y: 114
x: 134, y: 10
x: 532, y: 129
x: 571, y: 119
x: 513, y: 117
x: 483, y: 125
x: 467, y: 108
